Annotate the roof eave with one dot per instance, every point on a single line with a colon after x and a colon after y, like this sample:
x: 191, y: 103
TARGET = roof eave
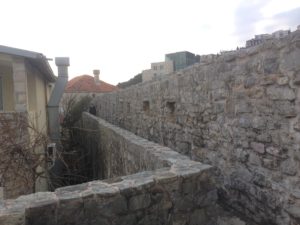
x: 38, y: 59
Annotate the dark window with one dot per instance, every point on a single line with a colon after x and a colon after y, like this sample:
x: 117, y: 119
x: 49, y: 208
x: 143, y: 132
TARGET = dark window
x: 146, y: 106
x: 128, y: 107
x: 171, y: 107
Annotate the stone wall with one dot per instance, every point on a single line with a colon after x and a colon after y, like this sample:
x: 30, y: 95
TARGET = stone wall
x: 178, y: 191
x: 113, y: 155
x: 239, y: 112
x: 15, y: 172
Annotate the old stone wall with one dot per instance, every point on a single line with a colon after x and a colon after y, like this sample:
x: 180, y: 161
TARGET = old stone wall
x: 178, y: 191
x: 239, y: 112
x: 15, y: 172
x: 113, y: 155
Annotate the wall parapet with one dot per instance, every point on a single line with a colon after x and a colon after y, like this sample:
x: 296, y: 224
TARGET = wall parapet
x: 177, y: 191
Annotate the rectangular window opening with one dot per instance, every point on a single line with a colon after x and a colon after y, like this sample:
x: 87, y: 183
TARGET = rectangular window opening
x: 171, y: 107
x: 146, y: 106
x: 128, y: 107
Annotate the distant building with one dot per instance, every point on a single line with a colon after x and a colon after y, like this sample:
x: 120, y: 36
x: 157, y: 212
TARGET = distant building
x: 82, y: 86
x: 182, y: 59
x: 158, y: 69
x: 281, y: 33
x: 173, y: 62
x: 205, y: 59
x: 298, y: 28
x: 87, y: 85
x: 147, y: 75
x: 260, y: 38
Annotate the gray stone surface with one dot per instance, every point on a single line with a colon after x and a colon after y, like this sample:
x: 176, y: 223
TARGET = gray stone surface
x: 174, y: 192
x: 232, y: 111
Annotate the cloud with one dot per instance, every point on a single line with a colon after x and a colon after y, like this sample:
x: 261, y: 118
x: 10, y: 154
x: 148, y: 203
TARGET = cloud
x: 285, y: 20
x: 247, y: 15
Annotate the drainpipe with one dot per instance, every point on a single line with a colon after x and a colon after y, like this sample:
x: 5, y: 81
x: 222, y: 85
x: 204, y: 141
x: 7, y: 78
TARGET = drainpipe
x: 62, y: 64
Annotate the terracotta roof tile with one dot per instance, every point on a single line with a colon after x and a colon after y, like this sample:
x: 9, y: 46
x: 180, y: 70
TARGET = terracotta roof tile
x: 86, y: 83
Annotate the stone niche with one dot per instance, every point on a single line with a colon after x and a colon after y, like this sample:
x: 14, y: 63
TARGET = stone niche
x: 147, y: 184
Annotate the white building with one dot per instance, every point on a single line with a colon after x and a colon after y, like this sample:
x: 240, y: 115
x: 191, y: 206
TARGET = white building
x: 281, y: 33
x: 158, y: 69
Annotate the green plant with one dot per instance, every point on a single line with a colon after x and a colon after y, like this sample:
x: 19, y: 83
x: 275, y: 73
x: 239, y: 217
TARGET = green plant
x: 74, y: 111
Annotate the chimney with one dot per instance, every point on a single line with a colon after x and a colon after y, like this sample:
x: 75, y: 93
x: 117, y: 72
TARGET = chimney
x: 62, y: 64
x: 96, y: 76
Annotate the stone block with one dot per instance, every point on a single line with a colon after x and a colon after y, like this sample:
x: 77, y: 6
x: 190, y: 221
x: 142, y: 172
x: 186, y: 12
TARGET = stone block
x: 289, y: 167
x: 271, y: 164
x: 139, y: 202
x: 70, y: 211
x: 41, y: 213
x: 130, y: 219
x: 12, y: 218
x: 243, y: 107
x: 280, y: 93
x: 249, y: 82
x: 198, y: 217
x: 294, y: 211
x: 282, y: 80
x: 286, y: 109
x: 270, y: 65
x: 273, y: 151
x: 258, y: 147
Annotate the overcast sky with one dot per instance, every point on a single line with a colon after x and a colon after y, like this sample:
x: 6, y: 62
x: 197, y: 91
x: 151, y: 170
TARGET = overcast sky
x: 122, y: 37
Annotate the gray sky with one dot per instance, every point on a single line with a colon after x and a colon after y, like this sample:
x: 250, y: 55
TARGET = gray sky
x: 122, y: 37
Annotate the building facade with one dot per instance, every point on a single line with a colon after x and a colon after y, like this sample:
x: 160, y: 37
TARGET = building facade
x: 182, y: 60
x: 26, y: 83
x: 173, y: 62
x: 261, y: 38
x: 158, y: 69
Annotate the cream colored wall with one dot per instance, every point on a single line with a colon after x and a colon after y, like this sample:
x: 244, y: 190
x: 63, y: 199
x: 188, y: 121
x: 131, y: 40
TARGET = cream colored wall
x: 31, y: 86
x: 169, y: 66
x: 8, y: 88
x: 147, y: 75
x: 158, y: 69
x: 37, y: 104
x: 37, y: 95
x: 37, y: 92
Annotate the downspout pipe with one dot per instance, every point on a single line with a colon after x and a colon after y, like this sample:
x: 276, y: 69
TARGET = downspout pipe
x: 62, y: 64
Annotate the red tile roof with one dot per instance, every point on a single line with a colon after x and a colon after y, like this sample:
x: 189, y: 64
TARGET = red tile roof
x: 86, y: 83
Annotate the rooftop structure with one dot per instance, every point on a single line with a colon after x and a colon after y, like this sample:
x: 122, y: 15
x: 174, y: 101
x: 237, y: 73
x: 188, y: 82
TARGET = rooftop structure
x: 260, y: 38
x: 88, y: 84
x: 182, y: 59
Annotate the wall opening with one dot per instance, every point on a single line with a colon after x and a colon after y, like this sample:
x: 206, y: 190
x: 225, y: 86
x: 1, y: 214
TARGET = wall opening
x: 128, y: 107
x: 171, y: 107
x: 146, y: 106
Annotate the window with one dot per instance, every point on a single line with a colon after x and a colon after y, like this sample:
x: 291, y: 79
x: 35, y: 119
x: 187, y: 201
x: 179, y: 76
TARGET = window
x: 161, y: 67
x: 1, y: 94
x: 128, y: 107
x: 146, y: 106
x: 171, y: 107
x: 154, y: 67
